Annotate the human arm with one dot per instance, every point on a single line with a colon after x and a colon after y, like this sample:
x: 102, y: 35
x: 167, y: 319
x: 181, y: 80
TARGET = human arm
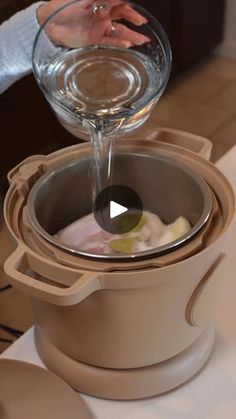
x: 16, y: 41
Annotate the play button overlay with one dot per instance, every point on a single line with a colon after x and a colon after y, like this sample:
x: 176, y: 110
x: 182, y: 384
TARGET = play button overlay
x: 118, y: 209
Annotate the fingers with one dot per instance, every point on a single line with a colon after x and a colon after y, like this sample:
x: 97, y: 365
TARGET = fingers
x: 116, y: 9
x: 121, y: 32
x: 124, y: 11
x: 107, y: 40
x: 102, y: 8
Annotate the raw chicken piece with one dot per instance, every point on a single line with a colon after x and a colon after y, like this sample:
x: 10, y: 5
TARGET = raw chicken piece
x: 152, y: 229
x: 85, y: 234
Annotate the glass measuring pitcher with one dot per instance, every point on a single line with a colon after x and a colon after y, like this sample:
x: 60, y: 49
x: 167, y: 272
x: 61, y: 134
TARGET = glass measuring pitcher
x: 99, y: 65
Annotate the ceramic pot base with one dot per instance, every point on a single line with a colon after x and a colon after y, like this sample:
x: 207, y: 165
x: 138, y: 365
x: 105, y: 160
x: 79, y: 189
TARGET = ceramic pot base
x: 126, y: 384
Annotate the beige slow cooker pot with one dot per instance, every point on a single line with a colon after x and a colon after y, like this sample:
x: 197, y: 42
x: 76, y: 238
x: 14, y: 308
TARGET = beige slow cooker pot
x: 120, y: 328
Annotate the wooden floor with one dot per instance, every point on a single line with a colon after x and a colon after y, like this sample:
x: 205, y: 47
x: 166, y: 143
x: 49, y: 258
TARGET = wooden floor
x: 202, y: 101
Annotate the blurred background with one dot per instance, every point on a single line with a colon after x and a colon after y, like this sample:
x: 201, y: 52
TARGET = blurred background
x: 200, y: 98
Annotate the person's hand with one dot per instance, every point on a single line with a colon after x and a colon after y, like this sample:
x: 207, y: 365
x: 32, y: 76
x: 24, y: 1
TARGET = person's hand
x: 83, y: 23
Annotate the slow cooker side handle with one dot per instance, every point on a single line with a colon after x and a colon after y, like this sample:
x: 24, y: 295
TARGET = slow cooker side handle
x: 195, y: 143
x: 78, y: 285
x: 200, y: 308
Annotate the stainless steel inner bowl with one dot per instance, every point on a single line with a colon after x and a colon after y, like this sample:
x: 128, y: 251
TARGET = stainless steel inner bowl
x: 166, y: 188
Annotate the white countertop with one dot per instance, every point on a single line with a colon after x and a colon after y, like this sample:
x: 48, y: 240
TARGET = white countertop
x: 209, y: 395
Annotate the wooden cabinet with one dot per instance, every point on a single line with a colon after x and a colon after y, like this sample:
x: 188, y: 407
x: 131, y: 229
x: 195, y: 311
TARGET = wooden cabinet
x: 197, y: 28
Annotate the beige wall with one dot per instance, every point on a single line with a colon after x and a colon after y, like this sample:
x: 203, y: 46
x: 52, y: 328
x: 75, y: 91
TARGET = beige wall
x: 228, y: 46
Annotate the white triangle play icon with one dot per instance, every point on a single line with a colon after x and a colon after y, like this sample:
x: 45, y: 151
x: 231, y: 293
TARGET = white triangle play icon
x: 116, y: 209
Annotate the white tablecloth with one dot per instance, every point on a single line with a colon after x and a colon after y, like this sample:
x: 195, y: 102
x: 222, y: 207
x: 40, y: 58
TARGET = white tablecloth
x: 209, y: 395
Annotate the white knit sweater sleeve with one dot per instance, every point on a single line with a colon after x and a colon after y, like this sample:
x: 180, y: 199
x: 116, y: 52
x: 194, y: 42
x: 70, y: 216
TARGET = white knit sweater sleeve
x: 16, y: 43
